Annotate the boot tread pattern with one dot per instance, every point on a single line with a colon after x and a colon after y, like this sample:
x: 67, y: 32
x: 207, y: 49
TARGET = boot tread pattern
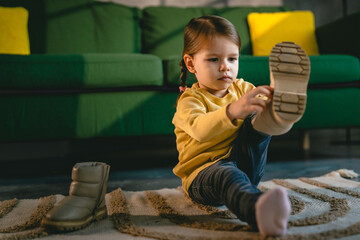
x: 288, y: 61
x: 289, y: 103
x: 289, y: 58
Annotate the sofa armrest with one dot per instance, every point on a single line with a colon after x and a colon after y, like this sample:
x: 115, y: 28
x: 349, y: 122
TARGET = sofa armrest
x: 341, y: 36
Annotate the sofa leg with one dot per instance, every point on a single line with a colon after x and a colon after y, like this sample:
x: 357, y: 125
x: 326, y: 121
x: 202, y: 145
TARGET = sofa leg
x: 348, y: 136
x: 306, y: 140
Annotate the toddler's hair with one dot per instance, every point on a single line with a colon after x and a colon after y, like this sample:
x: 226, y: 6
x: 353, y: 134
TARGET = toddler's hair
x: 202, y: 29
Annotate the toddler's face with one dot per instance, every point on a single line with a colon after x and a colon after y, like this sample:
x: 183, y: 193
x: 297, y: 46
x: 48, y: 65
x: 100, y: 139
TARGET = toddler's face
x: 216, y: 65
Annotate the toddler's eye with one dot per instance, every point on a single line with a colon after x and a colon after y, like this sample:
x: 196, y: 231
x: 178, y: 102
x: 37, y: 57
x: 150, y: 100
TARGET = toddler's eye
x: 212, y: 59
x: 232, y: 59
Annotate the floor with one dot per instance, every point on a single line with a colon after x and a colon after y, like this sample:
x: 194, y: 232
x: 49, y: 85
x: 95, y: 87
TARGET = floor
x: 32, y: 170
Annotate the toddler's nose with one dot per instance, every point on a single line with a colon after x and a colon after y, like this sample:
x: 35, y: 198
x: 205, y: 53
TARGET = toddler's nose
x: 224, y: 67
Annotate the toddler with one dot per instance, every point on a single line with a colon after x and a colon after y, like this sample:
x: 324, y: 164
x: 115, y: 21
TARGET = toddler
x: 223, y: 125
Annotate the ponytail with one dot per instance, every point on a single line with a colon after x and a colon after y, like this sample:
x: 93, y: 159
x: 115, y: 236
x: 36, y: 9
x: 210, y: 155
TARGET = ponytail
x: 183, y: 76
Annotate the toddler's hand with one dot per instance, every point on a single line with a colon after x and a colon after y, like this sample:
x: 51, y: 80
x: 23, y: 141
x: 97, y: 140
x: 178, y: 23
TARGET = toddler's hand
x: 253, y: 101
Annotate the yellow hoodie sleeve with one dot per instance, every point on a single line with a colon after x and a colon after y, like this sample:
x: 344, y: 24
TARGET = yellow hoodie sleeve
x: 200, y: 122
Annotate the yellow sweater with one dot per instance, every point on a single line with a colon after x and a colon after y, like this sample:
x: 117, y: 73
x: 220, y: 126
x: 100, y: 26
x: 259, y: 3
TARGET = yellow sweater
x: 204, y: 133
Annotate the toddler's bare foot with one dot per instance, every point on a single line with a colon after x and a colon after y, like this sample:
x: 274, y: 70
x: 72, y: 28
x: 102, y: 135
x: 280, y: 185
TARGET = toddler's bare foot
x: 272, y: 212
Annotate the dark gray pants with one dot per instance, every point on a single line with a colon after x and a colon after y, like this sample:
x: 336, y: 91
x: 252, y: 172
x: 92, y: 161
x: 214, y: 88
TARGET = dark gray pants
x: 233, y: 181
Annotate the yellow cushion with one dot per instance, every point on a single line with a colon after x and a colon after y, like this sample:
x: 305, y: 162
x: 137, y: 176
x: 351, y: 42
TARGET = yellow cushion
x: 14, y: 36
x: 268, y: 29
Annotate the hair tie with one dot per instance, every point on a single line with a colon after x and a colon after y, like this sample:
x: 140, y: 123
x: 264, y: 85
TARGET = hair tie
x: 182, y: 88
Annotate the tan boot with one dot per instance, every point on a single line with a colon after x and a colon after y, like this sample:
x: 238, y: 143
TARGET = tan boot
x: 86, y: 200
x: 289, y: 76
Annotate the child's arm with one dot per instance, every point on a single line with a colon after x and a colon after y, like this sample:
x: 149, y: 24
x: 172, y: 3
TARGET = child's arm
x: 249, y: 103
x: 193, y: 117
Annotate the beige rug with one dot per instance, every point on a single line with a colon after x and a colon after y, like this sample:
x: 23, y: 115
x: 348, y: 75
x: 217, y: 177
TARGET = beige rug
x: 325, y: 207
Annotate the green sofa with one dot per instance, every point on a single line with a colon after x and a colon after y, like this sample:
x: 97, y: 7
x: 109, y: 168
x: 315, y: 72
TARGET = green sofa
x: 101, y: 69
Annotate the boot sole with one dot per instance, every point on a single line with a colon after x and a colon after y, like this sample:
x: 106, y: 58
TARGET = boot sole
x: 289, y: 70
x: 67, y: 226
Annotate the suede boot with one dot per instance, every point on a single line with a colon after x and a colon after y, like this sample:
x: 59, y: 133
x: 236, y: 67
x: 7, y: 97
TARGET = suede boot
x: 86, y: 200
x: 289, y: 76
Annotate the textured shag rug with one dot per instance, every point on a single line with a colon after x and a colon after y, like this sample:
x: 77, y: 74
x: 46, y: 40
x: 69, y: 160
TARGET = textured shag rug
x: 325, y: 207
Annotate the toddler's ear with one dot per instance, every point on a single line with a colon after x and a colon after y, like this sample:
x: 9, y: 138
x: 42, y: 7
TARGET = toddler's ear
x: 189, y: 62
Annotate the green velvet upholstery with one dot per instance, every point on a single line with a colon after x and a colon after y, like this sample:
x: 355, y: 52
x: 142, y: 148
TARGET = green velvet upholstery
x: 81, y: 26
x: 331, y: 108
x: 66, y: 71
x: 101, y: 69
x: 163, y: 27
x: 87, y: 115
x: 325, y: 69
x: 91, y: 27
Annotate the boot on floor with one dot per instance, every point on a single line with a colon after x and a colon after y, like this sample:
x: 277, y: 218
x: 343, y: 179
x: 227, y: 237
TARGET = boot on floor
x: 86, y: 200
x: 289, y: 76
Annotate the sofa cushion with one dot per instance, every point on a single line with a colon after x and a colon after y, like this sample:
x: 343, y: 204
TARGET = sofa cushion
x: 163, y: 27
x: 36, y: 21
x: 81, y: 26
x: 268, y: 29
x: 334, y: 69
x: 14, y: 37
x: 86, y: 26
x: 86, y: 115
x: 79, y: 71
x: 325, y: 69
x: 331, y: 108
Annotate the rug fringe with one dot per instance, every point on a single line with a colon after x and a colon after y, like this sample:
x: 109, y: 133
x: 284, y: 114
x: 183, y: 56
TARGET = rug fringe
x: 338, y: 207
x: 345, y: 173
x: 7, y: 205
x: 45, y: 205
